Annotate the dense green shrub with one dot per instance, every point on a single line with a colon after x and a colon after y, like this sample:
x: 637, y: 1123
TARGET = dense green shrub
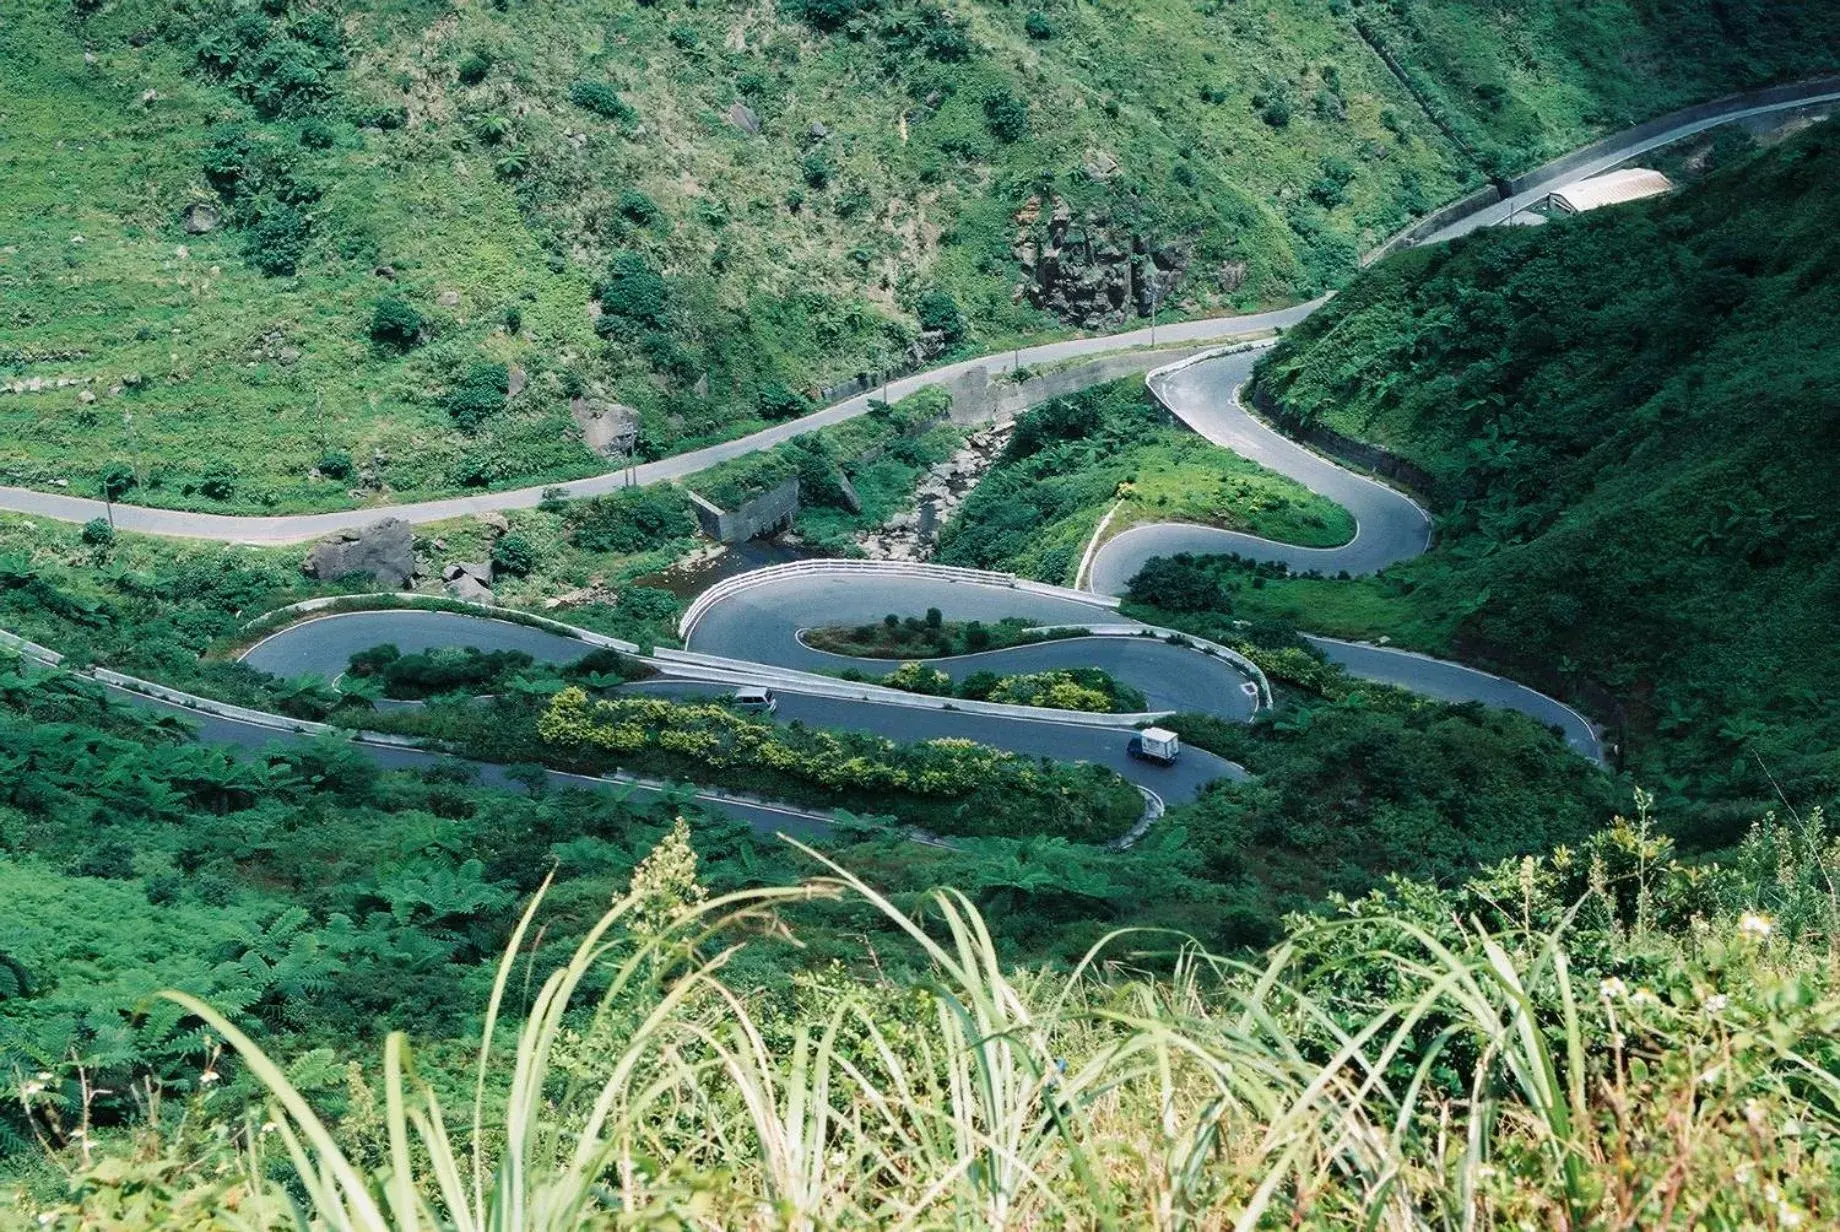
x: 602, y: 99
x: 218, y: 481
x: 280, y: 58
x: 939, y: 312
x: 776, y: 402
x: 335, y: 464
x: 1005, y: 115
x: 277, y: 240
x: 1178, y: 583
x: 395, y: 323
x: 830, y: 15
x: 479, y: 394
x: 637, y: 208
x: 514, y: 554
x: 98, y: 533
x: 631, y: 520
x: 956, y: 785
x: 415, y: 677
x: 631, y: 293
x: 815, y: 167
x: 473, y: 67
x: 1037, y: 26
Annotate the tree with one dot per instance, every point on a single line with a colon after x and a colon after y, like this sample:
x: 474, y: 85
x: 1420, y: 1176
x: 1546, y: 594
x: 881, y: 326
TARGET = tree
x: 1178, y: 584
x: 395, y: 323
x: 938, y: 313
x: 1005, y: 115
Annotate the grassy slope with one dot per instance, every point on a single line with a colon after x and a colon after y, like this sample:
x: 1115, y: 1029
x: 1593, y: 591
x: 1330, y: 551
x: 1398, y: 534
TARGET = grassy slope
x: 266, y: 374
x: 1626, y: 419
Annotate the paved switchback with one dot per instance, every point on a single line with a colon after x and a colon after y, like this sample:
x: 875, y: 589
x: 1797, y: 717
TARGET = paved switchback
x: 1389, y: 526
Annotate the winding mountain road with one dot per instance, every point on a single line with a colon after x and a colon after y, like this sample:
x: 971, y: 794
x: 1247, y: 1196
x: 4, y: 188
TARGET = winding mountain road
x: 761, y: 624
x: 1390, y: 528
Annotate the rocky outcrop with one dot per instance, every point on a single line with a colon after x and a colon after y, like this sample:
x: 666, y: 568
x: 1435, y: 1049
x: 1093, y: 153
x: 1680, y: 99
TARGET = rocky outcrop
x: 608, y: 428
x: 200, y: 217
x: 472, y: 582
x: 744, y: 118
x: 384, y: 551
x: 1092, y: 271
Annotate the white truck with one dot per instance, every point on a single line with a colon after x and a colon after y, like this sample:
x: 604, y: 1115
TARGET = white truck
x: 1155, y: 744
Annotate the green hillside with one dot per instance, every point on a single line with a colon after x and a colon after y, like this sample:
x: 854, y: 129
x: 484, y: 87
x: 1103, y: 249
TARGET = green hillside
x: 1627, y: 421
x: 422, y: 208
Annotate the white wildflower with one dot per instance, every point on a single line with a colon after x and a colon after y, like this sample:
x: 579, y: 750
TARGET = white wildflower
x: 1612, y: 988
x: 1717, y: 1003
x: 1755, y: 926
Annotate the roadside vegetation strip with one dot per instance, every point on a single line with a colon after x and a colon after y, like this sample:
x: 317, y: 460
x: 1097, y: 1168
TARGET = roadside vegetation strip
x: 929, y: 637
x: 1083, y: 576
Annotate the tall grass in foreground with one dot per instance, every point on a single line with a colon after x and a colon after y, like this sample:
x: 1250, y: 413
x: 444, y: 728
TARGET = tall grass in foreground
x: 1449, y: 1079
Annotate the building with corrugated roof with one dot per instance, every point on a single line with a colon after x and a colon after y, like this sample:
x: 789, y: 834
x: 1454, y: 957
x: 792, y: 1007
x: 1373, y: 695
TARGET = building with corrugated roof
x: 1611, y: 188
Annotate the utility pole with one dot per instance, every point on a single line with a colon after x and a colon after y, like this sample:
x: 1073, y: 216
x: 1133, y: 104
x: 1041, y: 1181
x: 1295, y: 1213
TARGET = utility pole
x: 134, y: 447
x: 1155, y: 300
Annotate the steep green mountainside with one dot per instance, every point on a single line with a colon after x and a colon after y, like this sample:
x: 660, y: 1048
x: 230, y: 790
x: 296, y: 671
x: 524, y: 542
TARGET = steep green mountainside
x: 424, y: 233
x: 1628, y: 420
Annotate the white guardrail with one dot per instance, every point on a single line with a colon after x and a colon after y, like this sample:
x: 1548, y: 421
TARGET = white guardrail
x: 30, y: 650
x: 881, y: 568
x: 409, y: 601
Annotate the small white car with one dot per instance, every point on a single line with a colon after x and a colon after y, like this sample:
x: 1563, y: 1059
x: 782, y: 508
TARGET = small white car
x: 755, y: 701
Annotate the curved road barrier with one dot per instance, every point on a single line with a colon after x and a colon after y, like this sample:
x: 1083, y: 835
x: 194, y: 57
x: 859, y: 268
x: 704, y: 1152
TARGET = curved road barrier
x: 872, y: 569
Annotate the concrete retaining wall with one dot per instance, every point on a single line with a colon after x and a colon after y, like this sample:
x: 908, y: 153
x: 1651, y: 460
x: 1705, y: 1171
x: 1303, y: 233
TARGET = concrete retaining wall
x: 982, y: 394
x: 772, y: 510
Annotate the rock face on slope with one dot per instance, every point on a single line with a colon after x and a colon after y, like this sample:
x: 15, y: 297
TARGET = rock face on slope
x: 384, y: 551
x: 1094, y: 272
